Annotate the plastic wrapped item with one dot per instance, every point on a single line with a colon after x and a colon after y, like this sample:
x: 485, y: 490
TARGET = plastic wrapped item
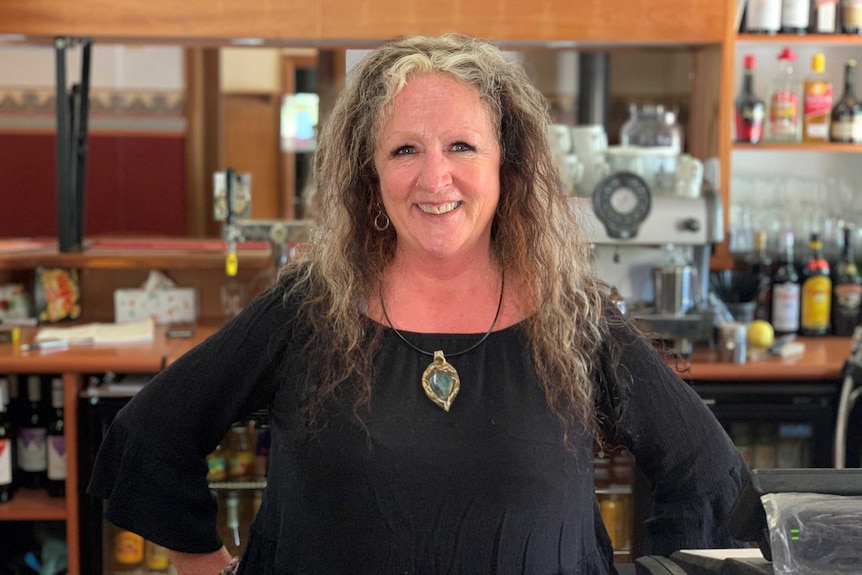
x: 814, y: 534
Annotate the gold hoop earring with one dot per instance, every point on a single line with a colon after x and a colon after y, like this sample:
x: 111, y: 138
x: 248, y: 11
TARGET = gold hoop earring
x: 381, y: 220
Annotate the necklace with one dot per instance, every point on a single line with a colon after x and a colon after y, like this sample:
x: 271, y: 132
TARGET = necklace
x: 440, y: 379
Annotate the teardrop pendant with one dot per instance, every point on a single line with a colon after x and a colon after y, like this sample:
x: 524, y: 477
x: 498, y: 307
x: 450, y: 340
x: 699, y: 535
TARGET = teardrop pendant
x: 440, y: 381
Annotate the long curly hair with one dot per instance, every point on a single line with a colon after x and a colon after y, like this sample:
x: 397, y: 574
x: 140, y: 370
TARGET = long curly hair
x: 535, y: 234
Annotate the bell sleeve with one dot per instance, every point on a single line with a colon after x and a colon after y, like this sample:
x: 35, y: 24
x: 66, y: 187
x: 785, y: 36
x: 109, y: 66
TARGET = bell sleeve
x: 695, y: 470
x: 151, y: 466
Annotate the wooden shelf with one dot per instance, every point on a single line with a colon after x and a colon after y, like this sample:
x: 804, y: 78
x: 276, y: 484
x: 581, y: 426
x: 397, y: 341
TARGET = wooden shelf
x: 830, y: 147
x: 816, y: 39
x: 33, y: 505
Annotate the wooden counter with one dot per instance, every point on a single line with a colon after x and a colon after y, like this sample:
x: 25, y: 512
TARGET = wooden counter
x: 822, y: 360
x: 73, y: 365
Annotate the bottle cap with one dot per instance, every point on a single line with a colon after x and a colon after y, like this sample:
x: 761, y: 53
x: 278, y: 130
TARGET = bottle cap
x: 748, y: 61
x: 818, y: 62
x: 787, y: 54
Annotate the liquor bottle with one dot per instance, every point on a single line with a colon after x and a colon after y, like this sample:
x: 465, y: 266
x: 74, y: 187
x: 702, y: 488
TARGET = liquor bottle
x: 785, y: 289
x: 750, y: 109
x: 7, y: 486
x: 156, y: 558
x: 56, y: 442
x: 241, y: 458
x: 128, y: 551
x: 763, y: 16
x: 851, y: 16
x: 32, y: 433
x: 759, y: 264
x: 217, y: 464
x: 846, y: 289
x: 784, y: 101
x: 824, y: 17
x: 816, y: 291
x: 261, y: 452
x: 795, y: 16
x: 816, y: 102
x: 846, y: 123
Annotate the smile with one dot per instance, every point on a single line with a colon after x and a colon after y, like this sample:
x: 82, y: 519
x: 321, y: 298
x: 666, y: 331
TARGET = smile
x: 441, y: 209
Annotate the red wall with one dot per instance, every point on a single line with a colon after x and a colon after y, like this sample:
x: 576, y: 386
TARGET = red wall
x: 136, y: 185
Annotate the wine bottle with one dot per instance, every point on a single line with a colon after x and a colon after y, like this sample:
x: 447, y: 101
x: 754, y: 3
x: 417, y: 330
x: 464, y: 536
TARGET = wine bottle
x: 785, y: 290
x: 56, y: 442
x: 851, y: 16
x: 846, y: 125
x: 763, y: 16
x: 795, y: 16
x: 816, y: 291
x: 750, y: 109
x: 7, y: 486
x: 816, y: 102
x: 32, y: 448
x: 846, y: 289
x: 824, y: 17
x: 759, y: 264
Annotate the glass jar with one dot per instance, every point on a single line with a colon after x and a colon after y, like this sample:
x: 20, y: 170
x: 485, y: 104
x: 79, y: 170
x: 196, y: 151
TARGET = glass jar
x: 651, y: 125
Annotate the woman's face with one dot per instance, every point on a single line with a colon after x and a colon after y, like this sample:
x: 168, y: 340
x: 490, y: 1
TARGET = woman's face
x: 438, y: 161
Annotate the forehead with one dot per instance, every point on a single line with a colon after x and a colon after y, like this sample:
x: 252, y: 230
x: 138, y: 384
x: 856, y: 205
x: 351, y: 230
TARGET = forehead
x: 420, y: 92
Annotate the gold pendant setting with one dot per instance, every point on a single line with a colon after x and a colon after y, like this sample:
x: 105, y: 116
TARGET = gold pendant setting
x: 441, y: 382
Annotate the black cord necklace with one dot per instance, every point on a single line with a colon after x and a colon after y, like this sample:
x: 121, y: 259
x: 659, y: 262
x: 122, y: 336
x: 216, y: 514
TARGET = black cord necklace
x: 440, y: 380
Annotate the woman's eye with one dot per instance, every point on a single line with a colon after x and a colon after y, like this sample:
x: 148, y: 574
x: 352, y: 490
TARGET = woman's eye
x: 403, y: 151
x: 463, y: 147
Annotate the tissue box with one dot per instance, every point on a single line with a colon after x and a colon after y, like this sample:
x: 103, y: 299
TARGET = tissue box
x: 163, y: 305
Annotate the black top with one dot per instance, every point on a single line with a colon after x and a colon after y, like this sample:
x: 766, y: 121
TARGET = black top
x: 486, y: 488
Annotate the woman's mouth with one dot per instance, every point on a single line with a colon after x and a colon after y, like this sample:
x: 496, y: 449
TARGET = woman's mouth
x: 439, y: 209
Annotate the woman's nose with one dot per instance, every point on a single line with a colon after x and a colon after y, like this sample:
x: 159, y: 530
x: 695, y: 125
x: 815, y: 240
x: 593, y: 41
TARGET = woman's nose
x: 435, y: 173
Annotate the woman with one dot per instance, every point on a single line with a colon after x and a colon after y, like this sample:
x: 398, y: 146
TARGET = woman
x: 438, y: 366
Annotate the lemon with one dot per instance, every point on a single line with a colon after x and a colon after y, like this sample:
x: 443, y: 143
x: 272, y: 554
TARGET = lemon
x: 760, y: 334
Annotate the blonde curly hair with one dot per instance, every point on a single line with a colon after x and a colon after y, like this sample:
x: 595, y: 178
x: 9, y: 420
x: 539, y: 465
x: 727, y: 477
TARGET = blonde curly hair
x: 535, y: 234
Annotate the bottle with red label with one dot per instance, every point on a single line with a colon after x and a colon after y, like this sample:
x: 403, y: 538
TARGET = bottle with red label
x: 750, y: 109
x: 816, y: 102
x: 784, y: 109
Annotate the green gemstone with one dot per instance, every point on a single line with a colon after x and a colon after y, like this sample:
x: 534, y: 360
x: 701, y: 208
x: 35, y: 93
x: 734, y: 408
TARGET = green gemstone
x: 442, y: 383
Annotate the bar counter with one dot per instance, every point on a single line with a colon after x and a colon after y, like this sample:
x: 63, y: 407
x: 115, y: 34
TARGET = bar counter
x: 822, y: 359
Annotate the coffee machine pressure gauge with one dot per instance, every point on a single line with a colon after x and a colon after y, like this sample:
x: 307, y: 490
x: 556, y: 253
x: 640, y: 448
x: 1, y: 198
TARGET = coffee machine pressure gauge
x: 622, y: 201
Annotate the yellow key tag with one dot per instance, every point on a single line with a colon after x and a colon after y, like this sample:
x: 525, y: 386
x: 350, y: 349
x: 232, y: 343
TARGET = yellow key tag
x: 231, y: 264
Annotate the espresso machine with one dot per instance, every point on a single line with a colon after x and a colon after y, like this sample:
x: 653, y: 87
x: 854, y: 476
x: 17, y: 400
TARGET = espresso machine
x: 655, y: 251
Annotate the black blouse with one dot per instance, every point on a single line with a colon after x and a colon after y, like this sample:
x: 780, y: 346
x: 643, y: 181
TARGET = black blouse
x: 486, y: 488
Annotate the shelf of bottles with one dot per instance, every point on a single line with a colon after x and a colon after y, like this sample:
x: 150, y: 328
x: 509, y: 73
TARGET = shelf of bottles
x: 614, y: 486
x: 32, y: 448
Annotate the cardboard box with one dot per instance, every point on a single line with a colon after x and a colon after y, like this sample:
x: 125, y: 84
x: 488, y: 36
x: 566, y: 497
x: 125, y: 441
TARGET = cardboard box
x: 163, y: 305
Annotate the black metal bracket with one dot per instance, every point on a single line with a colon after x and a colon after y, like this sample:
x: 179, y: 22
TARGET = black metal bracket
x: 72, y: 109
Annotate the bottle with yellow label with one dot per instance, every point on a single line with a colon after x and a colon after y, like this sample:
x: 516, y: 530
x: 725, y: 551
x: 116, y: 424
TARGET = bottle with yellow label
x: 156, y: 557
x: 128, y: 551
x: 816, y: 314
x: 816, y: 102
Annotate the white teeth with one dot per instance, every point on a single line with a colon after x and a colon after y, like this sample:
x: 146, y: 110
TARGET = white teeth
x: 439, y: 209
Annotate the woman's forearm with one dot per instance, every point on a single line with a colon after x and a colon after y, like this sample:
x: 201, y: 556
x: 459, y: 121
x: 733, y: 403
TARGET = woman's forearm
x: 200, y: 563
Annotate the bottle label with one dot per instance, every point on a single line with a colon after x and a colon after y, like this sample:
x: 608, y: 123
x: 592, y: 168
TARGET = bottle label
x: 816, y: 300
x: 848, y: 130
x: 128, y: 548
x: 817, y: 107
x: 794, y: 13
x: 852, y: 14
x: 32, y: 449
x: 749, y: 124
x: 826, y: 20
x: 5, y: 461
x: 56, y: 457
x: 763, y: 15
x: 216, y: 468
x: 785, y: 307
x: 848, y: 299
x: 241, y: 464
x: 784, y: 113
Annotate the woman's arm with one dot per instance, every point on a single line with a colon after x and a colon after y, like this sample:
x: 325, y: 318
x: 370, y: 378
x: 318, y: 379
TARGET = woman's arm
x: 200, y: 563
